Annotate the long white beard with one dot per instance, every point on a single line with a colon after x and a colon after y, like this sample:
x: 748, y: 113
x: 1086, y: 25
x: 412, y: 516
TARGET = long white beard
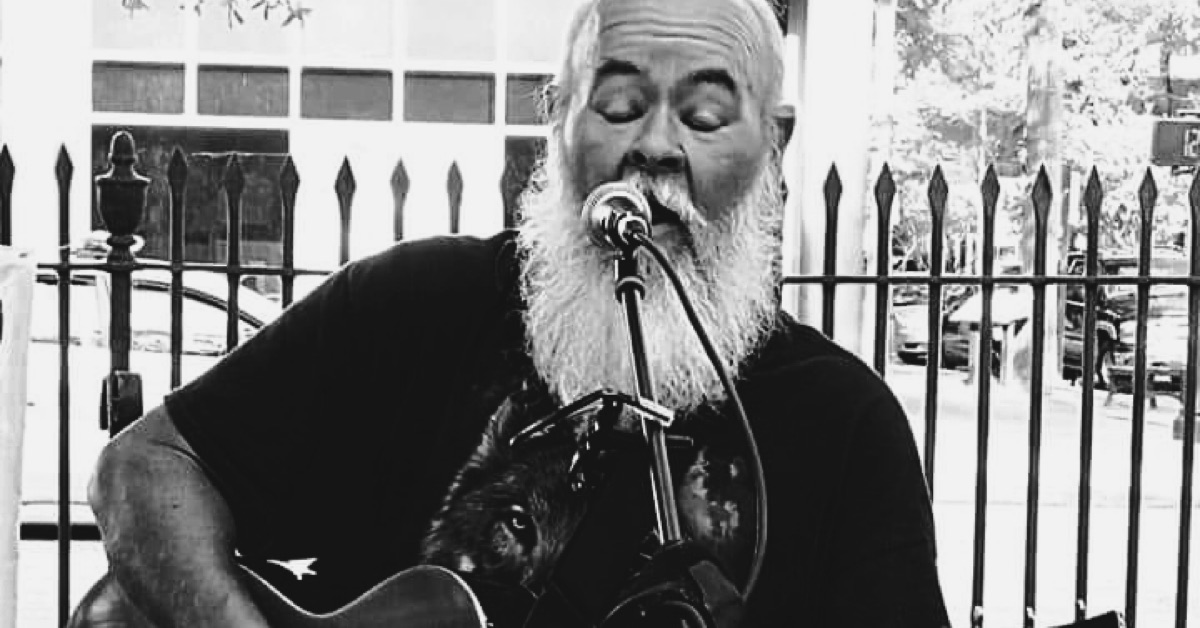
x: 575, y: 326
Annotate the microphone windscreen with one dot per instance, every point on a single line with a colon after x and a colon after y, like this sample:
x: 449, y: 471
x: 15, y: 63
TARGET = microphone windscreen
x: 609, y: 201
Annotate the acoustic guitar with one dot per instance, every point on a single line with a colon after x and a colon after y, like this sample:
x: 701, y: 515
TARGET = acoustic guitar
x: 421, y: 597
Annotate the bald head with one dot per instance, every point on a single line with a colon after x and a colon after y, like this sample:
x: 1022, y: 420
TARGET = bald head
x: 745, y: 33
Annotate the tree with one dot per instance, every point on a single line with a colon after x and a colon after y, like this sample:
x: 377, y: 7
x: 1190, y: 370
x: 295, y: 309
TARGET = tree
x: 236, y: 10
x: 961, y: 94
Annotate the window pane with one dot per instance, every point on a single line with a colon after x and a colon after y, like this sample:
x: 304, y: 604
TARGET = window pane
x: 363, y: 28
x: 523, y: 97
x: 452, y: 30
x: 430, y: 97
x: 253, y: 34
x: 237, y: 91
x: 539, y: 40
x: 141, y: 88
x: 160, y: 27
x: 346, y: 94
x: 521, y: 156
x: 261, y: 153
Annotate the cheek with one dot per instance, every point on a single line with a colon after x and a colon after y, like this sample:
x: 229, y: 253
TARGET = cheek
x: 724, y: 172
x: 597, y: 149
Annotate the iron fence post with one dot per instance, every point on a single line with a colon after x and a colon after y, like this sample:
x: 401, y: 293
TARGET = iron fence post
x: 121, y: 198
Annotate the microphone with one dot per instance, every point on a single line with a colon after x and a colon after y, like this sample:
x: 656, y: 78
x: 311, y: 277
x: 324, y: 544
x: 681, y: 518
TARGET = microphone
x: 614, y: 212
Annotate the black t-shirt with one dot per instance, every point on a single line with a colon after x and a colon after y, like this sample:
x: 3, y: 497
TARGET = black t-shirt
x: 335, y: 432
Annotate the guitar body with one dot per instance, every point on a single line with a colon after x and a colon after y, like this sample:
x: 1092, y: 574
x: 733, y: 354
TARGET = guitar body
x: 421, y: 597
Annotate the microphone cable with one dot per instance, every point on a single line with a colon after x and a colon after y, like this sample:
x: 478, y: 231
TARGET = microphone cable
x: 760, y: 545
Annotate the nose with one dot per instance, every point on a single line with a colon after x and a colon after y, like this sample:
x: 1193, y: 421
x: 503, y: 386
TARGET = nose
x: 657, y: 150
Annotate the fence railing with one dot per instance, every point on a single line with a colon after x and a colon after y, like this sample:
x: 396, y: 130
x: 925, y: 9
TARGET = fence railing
x: 121, y: 203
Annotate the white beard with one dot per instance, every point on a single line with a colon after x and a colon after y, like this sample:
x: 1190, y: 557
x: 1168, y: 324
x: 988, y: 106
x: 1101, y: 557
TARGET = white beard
x: 575, y: 326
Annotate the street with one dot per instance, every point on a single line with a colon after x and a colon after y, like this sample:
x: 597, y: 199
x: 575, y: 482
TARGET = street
x: 953, y: 487
x: 954, y: 482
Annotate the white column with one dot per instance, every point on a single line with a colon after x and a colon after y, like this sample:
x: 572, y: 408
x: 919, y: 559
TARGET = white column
x: 46, y: 91
x: 830, y: 82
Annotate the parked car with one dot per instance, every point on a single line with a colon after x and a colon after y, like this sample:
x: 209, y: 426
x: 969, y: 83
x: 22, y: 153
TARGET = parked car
x: 1116, y: 324
x: 910, y: 324
x: 1011, y: 311
x: 204, y: 320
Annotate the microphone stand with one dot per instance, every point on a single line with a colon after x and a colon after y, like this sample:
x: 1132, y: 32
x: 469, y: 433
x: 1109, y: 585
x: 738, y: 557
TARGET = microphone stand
x: 630, y: 288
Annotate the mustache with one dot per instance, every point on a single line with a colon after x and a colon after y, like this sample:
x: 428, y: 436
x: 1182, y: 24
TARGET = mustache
x: 669, y: 192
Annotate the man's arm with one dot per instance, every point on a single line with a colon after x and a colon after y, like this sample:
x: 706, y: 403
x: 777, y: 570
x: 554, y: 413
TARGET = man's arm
x: 168, y: 533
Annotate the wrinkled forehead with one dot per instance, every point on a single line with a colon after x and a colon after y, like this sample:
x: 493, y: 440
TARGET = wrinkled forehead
x: 673, y: 37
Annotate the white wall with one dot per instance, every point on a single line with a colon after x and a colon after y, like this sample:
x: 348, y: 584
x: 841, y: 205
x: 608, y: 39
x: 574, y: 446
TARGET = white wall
x: 830, y: 82
x: 46, y: 96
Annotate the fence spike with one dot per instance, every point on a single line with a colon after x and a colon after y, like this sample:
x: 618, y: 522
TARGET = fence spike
x: 990, y: 191
x: 938, y: 193
x: 6, y: 182
x: 289, y: 178
x: 63, y: 168
x: 344, y: 187
x: 885, y: 192
x: 1093, y: 199
x: 235, y: 183
x: 1147, y: 195
x: 832, y: 189
x: 454, y: 188
x: 6, y: 169
x: 234, y: 178
x: 1042, y: 195
x: 177, y: 170
x: 345, y: 184
x: 400, y: 185
x: 289, y: 183
x: 1194, y: 203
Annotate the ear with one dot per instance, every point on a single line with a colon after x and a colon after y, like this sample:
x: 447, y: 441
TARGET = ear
x: 785, y: 123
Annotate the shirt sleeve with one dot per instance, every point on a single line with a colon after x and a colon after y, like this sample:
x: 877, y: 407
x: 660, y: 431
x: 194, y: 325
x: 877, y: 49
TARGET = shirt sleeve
x: 886, y: 574
x: 300, y: 427
x: 260, y: 419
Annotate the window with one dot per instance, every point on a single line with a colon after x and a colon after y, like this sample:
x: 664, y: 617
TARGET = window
x: 521, y: 157
x: 446, y: 97
x: 243, y: 91
x: 523, y: 98
x: 137, y: 87
x: 346, y: 94
x: 482, y: 63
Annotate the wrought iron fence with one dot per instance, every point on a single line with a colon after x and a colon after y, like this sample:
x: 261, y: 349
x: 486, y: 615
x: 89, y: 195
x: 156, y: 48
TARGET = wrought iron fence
x: 121, y: 202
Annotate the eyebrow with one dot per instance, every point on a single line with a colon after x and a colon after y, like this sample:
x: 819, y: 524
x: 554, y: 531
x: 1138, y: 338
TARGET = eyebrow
x: 715, y: 76
x: 616, y: 67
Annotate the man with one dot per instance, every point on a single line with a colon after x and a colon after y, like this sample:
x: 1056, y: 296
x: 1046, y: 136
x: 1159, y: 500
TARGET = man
x: 337, y: 431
